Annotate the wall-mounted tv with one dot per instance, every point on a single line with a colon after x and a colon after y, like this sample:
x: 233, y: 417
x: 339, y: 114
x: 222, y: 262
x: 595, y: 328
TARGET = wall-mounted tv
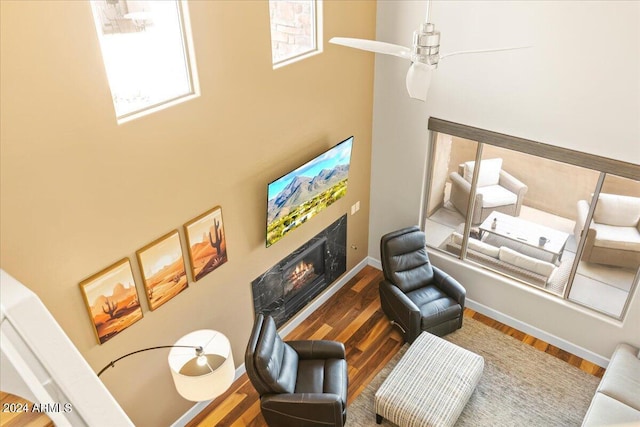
x: 302, y: 193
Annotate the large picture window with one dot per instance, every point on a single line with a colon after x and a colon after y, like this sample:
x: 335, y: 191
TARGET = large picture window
x: 564, y: 222
x: 147, y: 54
x: 296, y: 30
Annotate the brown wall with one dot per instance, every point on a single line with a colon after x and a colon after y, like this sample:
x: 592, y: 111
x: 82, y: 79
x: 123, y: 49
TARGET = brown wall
x: 79, y: 192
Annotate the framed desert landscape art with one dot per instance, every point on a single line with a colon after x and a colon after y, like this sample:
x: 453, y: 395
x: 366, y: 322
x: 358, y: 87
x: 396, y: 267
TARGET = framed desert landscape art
x: 112, y: 300
x: 162, y: 267
x: 207, y: 242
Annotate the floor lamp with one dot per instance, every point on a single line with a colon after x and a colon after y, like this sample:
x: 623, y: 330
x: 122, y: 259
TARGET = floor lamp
x: 201, y: 364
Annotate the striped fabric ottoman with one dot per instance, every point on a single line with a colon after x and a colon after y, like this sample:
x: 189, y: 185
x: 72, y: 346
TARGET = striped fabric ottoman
x: 430, y: 384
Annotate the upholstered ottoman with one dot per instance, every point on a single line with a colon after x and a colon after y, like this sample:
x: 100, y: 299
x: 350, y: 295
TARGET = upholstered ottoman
x: 430, y: 384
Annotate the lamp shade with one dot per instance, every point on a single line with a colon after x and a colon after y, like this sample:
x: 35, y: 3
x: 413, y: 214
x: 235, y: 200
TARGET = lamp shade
x: 205, y: 377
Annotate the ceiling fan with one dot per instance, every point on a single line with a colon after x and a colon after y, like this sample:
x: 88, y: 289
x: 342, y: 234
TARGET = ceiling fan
x: 424, y: 54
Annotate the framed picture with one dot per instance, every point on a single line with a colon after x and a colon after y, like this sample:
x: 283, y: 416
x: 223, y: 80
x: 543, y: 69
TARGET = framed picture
x: 207, y: 243
x: 112, y: 300
x: 162, y: 267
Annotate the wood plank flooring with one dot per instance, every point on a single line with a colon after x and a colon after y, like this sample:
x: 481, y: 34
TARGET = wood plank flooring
x: 353, y: 316
x: 17, y: 411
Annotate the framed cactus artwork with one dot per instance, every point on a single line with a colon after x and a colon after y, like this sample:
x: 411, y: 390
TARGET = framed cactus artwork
x: 207, y: 243
x: 112, y: 300
x: 162, y: 266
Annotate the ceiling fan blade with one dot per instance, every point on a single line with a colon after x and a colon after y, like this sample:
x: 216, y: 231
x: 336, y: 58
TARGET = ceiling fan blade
x: 418, y: 80
x: 464, y: 52
x: 373, y: 46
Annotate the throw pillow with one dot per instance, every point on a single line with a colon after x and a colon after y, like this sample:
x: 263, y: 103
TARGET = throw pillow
x: 489, y: 172
x: 477, y: 245
x: 524, y: 261
x: 617, y: 210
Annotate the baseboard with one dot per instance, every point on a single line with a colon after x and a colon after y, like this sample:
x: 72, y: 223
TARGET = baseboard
x: 290, y: 326
x: 374, y: 263
x: 538, y: 333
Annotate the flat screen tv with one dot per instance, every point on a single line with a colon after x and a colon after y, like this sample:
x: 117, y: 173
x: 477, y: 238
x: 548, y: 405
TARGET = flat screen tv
x: 297, y: 196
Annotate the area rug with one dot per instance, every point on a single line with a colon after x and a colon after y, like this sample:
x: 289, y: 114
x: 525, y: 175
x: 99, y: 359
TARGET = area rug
x: 520, y: 386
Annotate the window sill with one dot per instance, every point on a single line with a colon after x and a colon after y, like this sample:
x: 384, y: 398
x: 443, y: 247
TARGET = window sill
x: 155, y: 108
x: 296, y: 59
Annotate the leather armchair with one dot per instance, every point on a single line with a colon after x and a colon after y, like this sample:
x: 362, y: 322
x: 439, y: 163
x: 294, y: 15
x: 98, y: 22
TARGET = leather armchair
x: 415, y: 295
x: 300, y: 383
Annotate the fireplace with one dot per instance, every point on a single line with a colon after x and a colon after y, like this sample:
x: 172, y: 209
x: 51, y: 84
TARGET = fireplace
x: 303, y: 277
x: 292, y: 283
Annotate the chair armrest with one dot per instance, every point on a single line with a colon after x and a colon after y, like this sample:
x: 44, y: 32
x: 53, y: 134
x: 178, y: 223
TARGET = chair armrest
x: 460, y: 190
x: 590, y: 240
x: 449, y: 285
x: 312, y: 408
x: 583, y: 210
x: 400, y: 309
x: 318, y: 349
x: 458, y: 181
x: 512, y: 184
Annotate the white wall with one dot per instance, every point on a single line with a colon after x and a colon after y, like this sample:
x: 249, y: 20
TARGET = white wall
x: 399, y: 128
x: 578, y: 87
x: 40, y: 363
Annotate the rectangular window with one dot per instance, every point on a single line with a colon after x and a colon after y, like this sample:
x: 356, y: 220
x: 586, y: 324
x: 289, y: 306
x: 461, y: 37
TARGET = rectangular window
x: 562, y: 221
x: 147, y: 54
x: 296, y: 30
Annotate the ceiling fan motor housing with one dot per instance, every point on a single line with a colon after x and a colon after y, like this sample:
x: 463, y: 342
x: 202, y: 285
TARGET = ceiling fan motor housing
x: 426, y: 45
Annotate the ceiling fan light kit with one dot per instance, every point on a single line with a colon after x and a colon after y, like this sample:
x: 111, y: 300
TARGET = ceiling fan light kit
x: 418, y: 80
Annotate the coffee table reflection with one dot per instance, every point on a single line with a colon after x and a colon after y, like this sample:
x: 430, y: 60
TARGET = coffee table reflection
x: 526, y: 232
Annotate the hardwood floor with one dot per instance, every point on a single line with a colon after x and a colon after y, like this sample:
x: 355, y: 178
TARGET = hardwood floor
x: 353, y: 316
x: 17, y: 411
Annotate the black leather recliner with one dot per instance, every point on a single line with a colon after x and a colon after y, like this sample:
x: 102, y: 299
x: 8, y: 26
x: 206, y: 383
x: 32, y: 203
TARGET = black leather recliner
x: 414, y: 294
x: 301, y: 383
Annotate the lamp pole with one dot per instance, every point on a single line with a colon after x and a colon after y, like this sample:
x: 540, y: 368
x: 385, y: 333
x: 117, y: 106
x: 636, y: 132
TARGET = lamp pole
x: 198, y: 349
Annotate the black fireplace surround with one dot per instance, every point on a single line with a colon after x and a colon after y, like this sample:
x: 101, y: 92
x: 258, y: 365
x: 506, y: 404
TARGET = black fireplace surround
x: 287, y: 287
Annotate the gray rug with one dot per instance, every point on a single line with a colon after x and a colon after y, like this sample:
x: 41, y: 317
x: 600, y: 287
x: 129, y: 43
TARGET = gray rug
x: 520, y: 386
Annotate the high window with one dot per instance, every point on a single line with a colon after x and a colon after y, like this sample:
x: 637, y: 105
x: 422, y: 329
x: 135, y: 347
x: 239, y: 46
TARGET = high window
x: 296, y: 30
x: 564, y: 222
x: 147, y: 54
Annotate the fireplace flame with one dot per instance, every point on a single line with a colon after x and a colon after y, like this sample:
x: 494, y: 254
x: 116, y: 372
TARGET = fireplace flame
x: 301, y: 274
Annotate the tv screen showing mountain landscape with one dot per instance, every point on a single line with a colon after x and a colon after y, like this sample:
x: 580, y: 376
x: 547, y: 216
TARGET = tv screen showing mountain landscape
x: 299, y: 195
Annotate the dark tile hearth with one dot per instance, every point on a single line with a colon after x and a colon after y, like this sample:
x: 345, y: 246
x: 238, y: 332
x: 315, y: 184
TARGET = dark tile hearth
x: 287, y: 287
